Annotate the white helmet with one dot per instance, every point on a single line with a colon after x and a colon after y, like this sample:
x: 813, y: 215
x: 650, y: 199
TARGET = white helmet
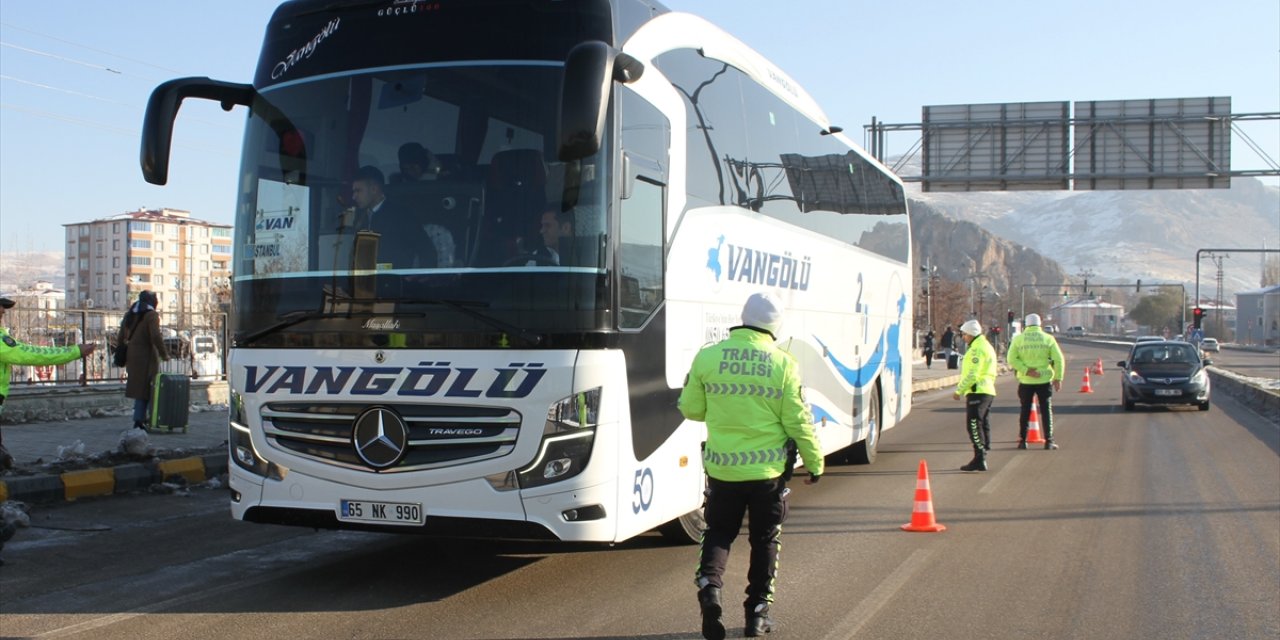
x: 1033, y: 319
x: 763, y: 311
x: 971, y: 327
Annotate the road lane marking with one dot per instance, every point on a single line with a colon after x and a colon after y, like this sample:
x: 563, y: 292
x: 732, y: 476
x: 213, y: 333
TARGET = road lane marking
x: 851, y: 624
x: 1000, y: 476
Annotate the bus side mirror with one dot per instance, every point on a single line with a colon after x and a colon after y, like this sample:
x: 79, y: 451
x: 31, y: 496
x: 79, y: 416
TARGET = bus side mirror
x: 162, y: 109
x: 589, y: 69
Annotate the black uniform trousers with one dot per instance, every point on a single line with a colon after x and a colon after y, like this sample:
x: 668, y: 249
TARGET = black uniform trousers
x: 977, y: 411
x: 727, y: 503
x: 1028, y: 393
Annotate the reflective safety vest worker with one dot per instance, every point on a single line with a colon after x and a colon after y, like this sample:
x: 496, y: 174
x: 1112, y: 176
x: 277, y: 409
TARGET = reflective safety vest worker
x: 1035, y: 349
x: 748, y: 392
x: 13, y: 352
x: 978, y: 369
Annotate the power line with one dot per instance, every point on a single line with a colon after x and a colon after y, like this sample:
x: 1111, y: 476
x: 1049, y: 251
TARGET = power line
x: 66, y: 91
x: 221, y: 123
x: 63, y: 58
x: 85, y: 46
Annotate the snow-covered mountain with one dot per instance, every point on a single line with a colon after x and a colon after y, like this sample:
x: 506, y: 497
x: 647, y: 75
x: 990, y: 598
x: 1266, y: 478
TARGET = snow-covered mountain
x: 1123, y: 236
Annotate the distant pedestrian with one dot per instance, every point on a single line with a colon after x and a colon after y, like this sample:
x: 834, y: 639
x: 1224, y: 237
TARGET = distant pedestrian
x: 749, y: 438
x: 928, y: 350
x: 978, y: 387
x: 1038, y: 362
x: 13, y: 352
x: 140, y: 330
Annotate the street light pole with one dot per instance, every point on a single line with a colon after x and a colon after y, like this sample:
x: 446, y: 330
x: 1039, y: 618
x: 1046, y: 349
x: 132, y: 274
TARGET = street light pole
x: 930, y: 276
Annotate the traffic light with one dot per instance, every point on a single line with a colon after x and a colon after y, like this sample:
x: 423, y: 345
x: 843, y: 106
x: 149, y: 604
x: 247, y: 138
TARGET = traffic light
x: 1011, y: 315
x: 1197, y: 316
x: 1064, y: 294
x: 1139, y: 289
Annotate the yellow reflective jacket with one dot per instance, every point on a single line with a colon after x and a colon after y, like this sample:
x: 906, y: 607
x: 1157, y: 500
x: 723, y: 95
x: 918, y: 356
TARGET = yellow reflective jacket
x: 13, y: 352
x: 1035, y: 349
x: 747, y: 390
x: 978, y: 369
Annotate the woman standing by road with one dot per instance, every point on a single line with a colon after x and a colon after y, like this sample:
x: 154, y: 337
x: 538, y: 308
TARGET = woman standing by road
x: 140, y: 329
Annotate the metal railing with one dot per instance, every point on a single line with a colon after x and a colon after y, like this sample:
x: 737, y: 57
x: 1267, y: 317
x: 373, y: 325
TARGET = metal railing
x: 196, y: 344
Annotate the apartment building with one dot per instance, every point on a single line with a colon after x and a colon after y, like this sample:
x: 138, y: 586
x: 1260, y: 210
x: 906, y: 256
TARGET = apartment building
x: 186, y: 261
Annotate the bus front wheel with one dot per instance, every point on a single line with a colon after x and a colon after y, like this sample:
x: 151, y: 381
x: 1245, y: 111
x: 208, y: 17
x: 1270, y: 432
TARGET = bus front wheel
x: 687, y: 529
x: 864, y: 452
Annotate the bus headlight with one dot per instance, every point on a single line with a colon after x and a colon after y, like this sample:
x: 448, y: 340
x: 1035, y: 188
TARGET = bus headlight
x: 242, y: 451
x: 567, y: 437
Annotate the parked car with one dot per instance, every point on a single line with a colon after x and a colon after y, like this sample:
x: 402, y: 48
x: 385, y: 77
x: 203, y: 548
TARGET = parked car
x: 1164, y: 373
x: 1209, y: 344
x: 1075, y: 332
x: 1141, y: 339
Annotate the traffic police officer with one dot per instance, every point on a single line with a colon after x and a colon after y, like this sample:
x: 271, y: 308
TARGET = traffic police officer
x: 747, y: 390
x: 13, y: 353
x: 1037, y: 360
x: 978, y: 387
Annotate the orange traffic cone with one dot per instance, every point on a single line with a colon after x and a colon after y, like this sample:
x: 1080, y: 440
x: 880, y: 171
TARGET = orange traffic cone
x: 922, y: 515
x: 1033, y: 425
x: 1085, y: 387
x: 1097, y: 367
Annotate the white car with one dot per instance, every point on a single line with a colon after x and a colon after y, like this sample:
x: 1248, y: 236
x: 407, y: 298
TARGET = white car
x: 1209, y: 344
x: 1076, y: 331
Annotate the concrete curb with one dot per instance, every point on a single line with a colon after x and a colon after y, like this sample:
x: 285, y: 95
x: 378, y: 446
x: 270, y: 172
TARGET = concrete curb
x: 72, y: 485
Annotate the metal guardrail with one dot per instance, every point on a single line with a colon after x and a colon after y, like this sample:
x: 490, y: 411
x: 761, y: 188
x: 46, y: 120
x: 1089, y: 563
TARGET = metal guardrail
x: 196, y: 344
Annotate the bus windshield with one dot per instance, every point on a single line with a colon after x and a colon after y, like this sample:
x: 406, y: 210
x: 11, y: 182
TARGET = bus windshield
x: 418, y: 200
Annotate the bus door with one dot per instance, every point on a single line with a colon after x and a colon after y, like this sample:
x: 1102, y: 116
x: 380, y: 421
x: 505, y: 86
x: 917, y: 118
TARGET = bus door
x: 661, y: 462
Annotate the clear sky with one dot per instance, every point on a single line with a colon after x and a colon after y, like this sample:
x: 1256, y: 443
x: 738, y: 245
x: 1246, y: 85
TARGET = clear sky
x: 75, y: 76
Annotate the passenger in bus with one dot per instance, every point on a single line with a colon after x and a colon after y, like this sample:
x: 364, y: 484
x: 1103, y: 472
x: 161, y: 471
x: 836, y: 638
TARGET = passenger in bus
x: 15, y: 353
x: 403, y: 241
x: 140, y: 329
x: 417, y: 164
x: 747, y: 390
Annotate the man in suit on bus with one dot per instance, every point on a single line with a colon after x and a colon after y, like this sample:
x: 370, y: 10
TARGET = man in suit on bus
x: 748, y: 392
x: 403, y: 242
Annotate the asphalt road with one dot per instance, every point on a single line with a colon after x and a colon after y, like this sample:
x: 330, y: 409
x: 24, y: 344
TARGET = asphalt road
x: 1154, y: 524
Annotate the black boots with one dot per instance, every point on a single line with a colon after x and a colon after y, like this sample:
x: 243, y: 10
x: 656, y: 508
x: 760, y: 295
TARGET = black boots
x: 712, y: 620
x: 758, y: 621
x: 1050, y: 444
x: 979, y: 462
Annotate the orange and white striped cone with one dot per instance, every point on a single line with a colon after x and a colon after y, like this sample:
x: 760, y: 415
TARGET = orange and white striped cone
x: 1085, y: 387
x: 1033, y: 426
x: 922, y: 514
x: 1097, y: 367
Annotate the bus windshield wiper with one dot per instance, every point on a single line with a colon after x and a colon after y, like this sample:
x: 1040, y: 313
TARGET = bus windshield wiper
x: 297, y: 317
x: 292, y: 318
x: 284, y: 322
x: 531, y: 337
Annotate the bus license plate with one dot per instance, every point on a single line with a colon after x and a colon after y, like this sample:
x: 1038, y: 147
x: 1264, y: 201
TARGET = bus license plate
x: 1168, y: 392
x: 380, y: 512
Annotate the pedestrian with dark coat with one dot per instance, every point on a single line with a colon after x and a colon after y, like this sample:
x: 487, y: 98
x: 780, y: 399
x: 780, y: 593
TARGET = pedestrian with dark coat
x: 928, y: 350
x: 140, y: 329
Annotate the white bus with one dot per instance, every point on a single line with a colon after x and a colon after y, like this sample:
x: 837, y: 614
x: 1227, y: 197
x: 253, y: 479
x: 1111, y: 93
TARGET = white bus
x: 496, y: 388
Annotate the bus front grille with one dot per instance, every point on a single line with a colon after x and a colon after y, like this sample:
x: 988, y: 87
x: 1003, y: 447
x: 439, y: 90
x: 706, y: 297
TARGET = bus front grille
x: 439, y: 435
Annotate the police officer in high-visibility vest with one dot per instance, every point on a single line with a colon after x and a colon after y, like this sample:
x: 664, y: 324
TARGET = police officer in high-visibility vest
x: 978, y: 387
x: 13, y: 352
x: 748, y: 392
x: 1037, y: 360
